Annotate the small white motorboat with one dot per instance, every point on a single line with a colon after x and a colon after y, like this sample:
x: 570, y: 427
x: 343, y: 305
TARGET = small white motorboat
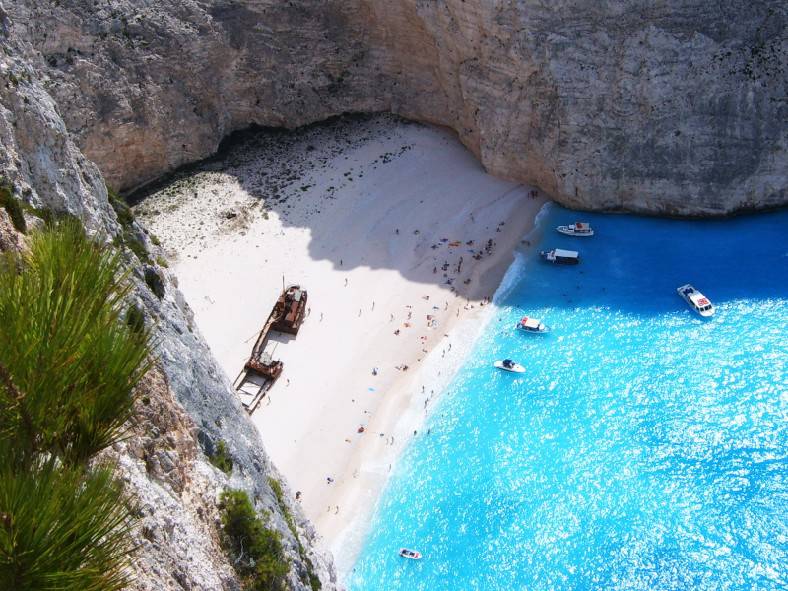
x: 411, y: 554
x: 696, y: 300
x: 509, y: 365
x: 576, y: 229
x: 559, y: 256
x: 532, y: 325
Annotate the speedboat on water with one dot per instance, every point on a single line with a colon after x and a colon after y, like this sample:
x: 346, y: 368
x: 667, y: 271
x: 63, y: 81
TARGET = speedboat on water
x: 576, y: 229
x: 559, y: 256
x: 509, y: 365
x: 532, y: 325
x: 696, y: 300
x: 412, y: 554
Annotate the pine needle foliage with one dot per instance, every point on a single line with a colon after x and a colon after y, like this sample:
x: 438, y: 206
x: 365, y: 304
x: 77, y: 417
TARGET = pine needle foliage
x: 68, y: 367
x: 71, y: 363
x: 61, y: 528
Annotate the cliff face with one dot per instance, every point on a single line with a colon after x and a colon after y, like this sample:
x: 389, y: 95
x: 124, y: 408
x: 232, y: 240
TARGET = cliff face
x: 185, y: 405
x: 671, y: 107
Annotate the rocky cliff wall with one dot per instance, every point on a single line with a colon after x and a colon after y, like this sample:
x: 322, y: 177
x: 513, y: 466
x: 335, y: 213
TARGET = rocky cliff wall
x: 186, y: 405
x: 675, y: 107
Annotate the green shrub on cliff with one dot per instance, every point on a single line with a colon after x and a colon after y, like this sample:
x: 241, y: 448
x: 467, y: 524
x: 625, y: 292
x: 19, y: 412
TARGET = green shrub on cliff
x: 308, y: 576
x: 255, y: 550
x: 221, y: 458
x: 127, y: 236
x: 12, y: 205
x: 68, y: 367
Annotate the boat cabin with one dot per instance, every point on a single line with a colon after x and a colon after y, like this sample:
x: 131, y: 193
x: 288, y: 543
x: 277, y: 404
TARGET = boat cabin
x: 561, y: 256
x: 699, y: 302
x: 290, y: 310
x: 531, y: 325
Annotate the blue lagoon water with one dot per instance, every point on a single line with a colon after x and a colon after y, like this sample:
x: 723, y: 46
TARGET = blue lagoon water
x: 644, y: 448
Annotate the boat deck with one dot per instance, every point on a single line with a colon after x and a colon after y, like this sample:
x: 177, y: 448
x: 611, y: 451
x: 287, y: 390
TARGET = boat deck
x: 261, y: 371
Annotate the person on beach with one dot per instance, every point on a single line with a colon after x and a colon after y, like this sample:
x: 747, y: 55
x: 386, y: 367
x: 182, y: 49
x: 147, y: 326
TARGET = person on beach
x: 345, y: 281
x: 321, y: 317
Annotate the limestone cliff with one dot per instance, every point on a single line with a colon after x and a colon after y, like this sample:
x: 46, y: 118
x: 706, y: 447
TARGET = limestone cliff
x: 672, y: 107
x: 186, y: 405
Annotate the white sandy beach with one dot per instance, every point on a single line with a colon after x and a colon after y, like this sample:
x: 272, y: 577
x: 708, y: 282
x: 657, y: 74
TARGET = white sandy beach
x: 365, y: 216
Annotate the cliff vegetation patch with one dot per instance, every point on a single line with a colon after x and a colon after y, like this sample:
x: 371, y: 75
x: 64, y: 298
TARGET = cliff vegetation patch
x: 256, y: 550
x: 69, y: 365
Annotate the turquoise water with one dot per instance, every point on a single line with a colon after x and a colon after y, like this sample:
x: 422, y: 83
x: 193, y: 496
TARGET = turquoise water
x: 644, y: 448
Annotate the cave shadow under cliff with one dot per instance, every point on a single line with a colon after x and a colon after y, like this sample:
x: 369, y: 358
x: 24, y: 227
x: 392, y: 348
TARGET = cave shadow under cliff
x: 714, y: 258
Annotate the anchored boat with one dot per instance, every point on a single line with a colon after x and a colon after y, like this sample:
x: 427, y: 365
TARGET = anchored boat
x: 696, y: 300
x: 411, y: 554
x: 509, y: 365
x: 576, y: 229
x: 559, y: 256
x: 532, y: 325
